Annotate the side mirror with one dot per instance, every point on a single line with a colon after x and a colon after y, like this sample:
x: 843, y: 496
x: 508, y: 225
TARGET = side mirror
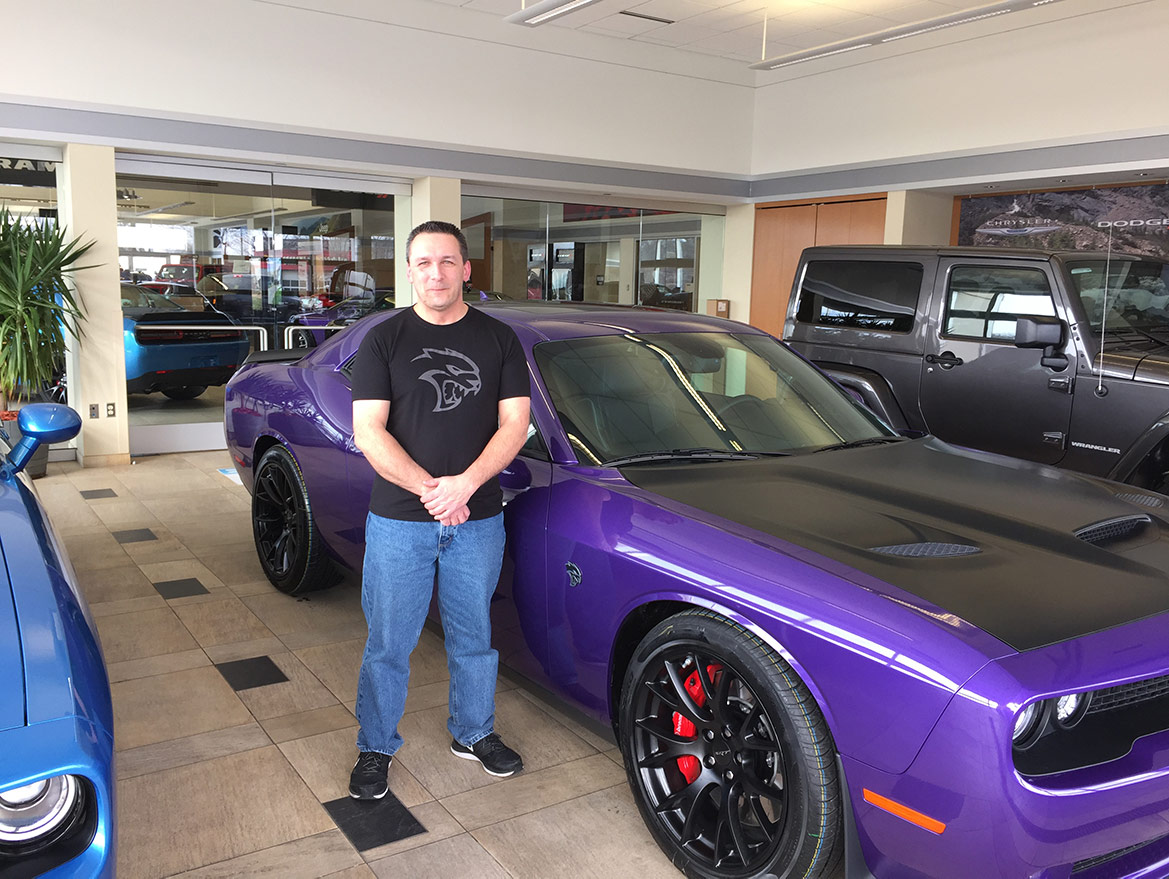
x: 1038, y: 332
x: 1042, y: 332
x: 40, y: 423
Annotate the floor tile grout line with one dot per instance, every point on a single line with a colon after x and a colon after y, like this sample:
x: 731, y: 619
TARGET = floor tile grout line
x: 541, y: 808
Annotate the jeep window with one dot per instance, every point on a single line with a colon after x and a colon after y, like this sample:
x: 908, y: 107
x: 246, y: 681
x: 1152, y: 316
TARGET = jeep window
x: 1136, y: 293
x: 983, y: 302
x: 864, y: 294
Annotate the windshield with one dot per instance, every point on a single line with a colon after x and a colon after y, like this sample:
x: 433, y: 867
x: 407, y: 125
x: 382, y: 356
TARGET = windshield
x: 1137, y: 294
x: 632, y: 395
x: 176, y: 273
x: 137, y: 297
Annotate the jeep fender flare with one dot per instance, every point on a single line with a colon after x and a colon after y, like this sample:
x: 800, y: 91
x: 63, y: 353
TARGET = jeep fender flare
x: 872, y: 389
x: 1152, y: 443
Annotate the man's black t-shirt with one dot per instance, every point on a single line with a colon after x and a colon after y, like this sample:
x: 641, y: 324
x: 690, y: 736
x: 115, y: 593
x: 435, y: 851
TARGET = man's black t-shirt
x: 444, y: 383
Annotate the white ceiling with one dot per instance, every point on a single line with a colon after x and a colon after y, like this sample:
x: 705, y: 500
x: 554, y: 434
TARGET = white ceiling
x: 734, y: 29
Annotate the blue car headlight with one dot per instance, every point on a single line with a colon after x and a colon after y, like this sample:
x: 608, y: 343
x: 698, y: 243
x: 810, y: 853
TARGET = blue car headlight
x: 36, y: 814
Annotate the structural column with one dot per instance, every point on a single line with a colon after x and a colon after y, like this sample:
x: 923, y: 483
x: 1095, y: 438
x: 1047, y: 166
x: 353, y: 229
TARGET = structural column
x: 738, y: 248
x: 916, y: 217
x: 96, y: 363
x: 433, y: 198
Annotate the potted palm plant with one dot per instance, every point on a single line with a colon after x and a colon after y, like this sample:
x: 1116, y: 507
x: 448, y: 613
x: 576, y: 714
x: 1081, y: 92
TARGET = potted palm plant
x: 37, y: 308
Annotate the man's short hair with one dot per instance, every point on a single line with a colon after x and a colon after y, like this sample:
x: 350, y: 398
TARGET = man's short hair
x: 438, y: 227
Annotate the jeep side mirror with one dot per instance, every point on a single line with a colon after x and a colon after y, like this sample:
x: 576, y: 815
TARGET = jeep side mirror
x: 1042, y: 332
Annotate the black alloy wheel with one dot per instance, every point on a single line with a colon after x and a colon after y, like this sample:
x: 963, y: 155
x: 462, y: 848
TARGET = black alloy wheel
x: 290, y: 548
x: 730, y: 761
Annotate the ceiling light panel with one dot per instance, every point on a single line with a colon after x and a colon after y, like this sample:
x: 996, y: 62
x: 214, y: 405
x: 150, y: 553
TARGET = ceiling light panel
x: 546, y: 11
x: 953, y: 19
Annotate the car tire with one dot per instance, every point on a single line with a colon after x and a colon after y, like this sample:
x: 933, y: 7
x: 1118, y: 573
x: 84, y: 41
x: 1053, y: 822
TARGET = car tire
x: 288, y: 543
x: 304, y: 340
x: 709, y: 716
x: 186, y: 392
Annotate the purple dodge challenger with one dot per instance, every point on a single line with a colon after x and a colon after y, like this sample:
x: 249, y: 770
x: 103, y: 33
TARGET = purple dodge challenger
x: 817, y: 642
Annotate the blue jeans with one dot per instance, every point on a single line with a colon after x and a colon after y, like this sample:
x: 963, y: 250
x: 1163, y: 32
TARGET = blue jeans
x: 401, y: 560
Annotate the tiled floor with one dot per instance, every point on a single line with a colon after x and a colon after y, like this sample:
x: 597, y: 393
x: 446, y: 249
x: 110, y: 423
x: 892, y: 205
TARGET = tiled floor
x: 233, y: 713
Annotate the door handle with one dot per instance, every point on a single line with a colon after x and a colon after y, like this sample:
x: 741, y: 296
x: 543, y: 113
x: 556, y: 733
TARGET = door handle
x: 945, y: 360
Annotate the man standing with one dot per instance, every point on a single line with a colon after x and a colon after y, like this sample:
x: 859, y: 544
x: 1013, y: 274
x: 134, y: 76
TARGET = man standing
x: 440, y: 406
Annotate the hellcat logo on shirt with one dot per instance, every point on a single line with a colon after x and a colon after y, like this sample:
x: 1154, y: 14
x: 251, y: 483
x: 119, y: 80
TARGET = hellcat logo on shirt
x: 454, y: 377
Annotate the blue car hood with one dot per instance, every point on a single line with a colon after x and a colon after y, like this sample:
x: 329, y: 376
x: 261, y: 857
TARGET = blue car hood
x: 12, y: 708
x: 50, y: 657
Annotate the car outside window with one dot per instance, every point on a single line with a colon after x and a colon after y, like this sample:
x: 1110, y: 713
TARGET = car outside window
x: 983, y: 302
x: 862, y: 294
x: 630, y: 395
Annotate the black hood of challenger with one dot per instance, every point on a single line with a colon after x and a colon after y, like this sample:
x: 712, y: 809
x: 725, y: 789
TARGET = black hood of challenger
x: 1029, y: 554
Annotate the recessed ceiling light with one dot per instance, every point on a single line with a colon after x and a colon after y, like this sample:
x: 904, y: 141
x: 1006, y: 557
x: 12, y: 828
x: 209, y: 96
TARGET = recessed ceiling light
x: 647, y: 17
x: 989, y: 186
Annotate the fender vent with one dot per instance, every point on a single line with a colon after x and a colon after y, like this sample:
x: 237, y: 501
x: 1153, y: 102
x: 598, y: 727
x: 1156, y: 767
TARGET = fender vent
x: 927, y: 550
x: 1145, y: 500
x: 1112, y: 529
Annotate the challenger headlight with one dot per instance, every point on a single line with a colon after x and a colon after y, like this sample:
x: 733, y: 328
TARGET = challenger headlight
x: 1026, y: 722
x: 35, y: 813
x: 1071, y: 708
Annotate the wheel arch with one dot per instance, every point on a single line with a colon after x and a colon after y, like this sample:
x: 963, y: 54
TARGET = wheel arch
x: 263, y: 443
x: 1147, y: 459
x: 640, y: 619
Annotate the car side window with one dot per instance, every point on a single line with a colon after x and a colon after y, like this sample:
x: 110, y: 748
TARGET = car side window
x: 984, y: 302
x: 861, y: 294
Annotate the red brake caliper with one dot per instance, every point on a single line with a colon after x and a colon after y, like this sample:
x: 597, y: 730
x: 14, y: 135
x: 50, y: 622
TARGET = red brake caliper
x: 687, y: 765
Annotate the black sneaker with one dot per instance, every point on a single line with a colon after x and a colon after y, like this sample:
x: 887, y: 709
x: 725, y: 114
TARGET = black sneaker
x: 496, y: 757
x: 368, y: 779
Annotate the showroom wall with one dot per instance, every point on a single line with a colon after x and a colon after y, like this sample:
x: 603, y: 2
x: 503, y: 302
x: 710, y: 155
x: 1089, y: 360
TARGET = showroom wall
x: 1093, y: 73
x: 547, y: 90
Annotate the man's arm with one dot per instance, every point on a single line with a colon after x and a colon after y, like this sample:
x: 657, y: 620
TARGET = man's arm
x: 446, y: 498
x: 384, y: 453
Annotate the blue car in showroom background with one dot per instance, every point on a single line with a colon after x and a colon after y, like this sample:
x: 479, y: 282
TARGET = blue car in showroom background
x: 56, y: 718
x: 163, y: 356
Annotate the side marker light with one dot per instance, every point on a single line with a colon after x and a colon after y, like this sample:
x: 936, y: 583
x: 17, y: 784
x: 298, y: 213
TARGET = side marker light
x: 910, y: 815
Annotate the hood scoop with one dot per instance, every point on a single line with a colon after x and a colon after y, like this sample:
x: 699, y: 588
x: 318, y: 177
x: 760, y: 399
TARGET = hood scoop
x: 1145, y: 500
x: 927, y: 550
x: 1110, y: 530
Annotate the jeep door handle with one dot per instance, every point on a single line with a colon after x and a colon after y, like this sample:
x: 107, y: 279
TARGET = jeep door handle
x: 945, y: 360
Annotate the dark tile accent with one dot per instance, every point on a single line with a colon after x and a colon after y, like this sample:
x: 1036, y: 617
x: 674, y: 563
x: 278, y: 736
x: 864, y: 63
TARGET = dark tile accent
x: 93, y: 493
x: 180, y: 588
x: 134, y: 535
x: 370, y: 823
x: 243, y: 674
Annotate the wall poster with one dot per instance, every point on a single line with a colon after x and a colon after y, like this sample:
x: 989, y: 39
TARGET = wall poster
x: 1133, y: 219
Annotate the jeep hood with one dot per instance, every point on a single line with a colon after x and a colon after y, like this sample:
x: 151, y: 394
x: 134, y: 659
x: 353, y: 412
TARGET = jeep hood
x: 1029, y: 554
x: 1145, y: 363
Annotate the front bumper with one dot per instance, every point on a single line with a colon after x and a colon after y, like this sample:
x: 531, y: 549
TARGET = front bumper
x: 1099, y: 822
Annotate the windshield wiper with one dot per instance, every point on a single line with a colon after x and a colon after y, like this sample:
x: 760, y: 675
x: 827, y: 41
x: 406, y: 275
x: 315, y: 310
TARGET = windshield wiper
x: 699, y: 454
x: 856, y: 444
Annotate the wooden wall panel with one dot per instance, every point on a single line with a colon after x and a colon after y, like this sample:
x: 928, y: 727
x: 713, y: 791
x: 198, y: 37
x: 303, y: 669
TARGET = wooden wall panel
x: 851, y: 222
x: 781, y: 234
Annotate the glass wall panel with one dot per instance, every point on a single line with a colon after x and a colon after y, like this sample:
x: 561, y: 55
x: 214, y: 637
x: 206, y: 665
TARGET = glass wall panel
x: 292, y: 263
x: 589, y: 253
